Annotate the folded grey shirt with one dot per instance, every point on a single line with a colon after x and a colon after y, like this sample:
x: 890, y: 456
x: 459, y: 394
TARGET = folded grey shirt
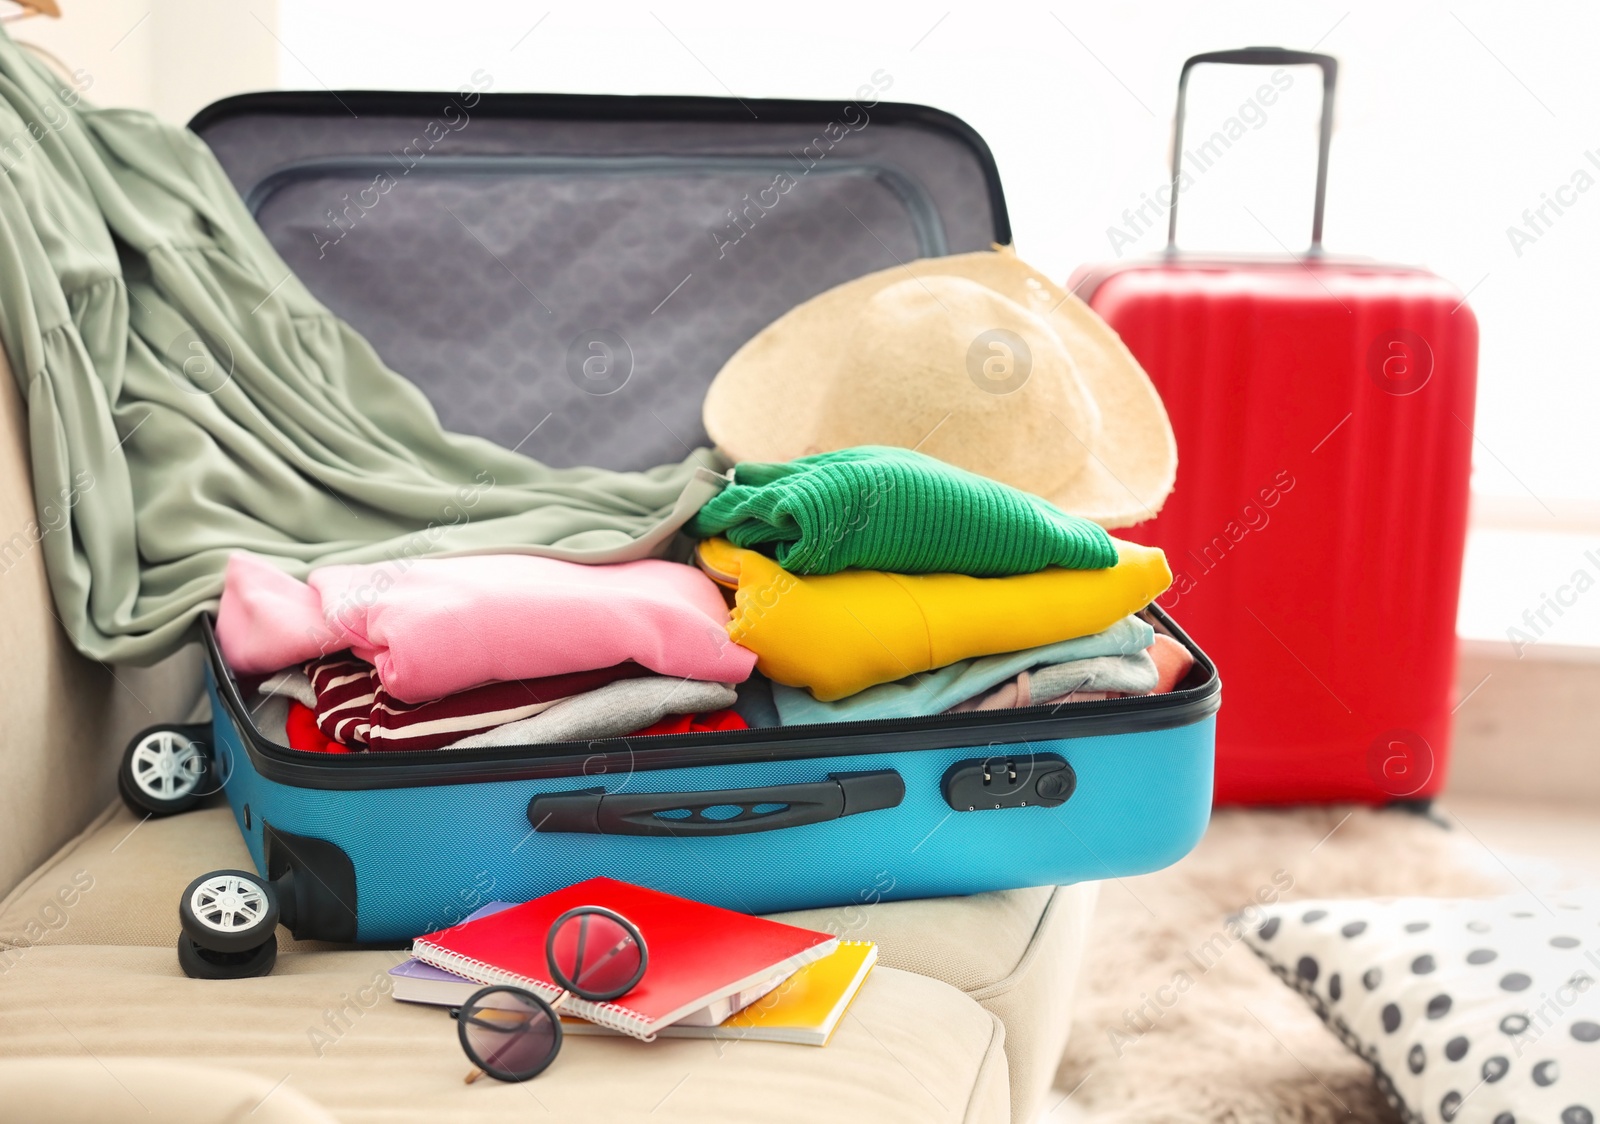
x: 291, y: 683
x: 1133, y: 674
x: 271, y: 717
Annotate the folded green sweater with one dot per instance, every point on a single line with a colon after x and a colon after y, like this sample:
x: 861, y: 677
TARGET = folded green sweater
x: 879, y: 508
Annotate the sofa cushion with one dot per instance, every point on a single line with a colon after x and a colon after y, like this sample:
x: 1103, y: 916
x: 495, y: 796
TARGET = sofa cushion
x: 54, y: 700
x: 118, y: 882
x: 87, y: 1090
x: 910, y: 1048
x: 67, y: 718
x: 1017, y: 953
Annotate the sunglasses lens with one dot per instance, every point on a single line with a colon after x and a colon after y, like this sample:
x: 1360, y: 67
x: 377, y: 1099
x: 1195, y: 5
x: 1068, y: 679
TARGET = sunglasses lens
x: 508, y: 1033
x: 596, y: 956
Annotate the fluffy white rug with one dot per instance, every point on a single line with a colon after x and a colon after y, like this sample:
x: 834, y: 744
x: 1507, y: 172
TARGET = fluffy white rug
x: 1177, y: 1020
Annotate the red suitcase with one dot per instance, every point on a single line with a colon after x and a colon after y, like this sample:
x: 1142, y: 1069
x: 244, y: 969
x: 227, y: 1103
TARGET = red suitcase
x: 1323, y: 409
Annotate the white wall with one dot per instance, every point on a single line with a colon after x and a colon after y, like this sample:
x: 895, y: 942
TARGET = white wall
x: 169, y: 56
x: 1453, y: 118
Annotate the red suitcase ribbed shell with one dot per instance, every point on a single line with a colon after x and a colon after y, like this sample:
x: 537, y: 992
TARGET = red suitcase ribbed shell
x: 1323, y: 412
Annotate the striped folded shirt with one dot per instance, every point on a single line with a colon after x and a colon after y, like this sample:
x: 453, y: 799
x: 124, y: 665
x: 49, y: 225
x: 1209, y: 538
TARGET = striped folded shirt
x: 353, y: 708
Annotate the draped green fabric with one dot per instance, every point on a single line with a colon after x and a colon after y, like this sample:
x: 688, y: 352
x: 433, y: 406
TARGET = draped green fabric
x: 188, y: 397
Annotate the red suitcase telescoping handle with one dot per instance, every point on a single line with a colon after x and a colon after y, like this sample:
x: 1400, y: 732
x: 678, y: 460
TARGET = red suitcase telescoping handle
x: 1260, y: 56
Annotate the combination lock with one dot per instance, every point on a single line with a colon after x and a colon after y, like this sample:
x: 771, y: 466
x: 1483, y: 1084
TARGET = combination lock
x: 1028, y: 780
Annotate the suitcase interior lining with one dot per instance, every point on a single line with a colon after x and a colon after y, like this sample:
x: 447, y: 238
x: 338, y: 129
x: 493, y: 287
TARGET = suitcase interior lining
x: 485, y: 250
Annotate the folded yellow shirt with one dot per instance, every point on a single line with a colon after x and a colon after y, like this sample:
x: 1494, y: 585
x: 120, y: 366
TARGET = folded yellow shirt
x: 842, y: 633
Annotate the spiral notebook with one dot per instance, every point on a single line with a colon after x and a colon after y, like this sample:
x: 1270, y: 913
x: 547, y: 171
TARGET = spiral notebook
x: 804, y: 1009
x: 699, y: 954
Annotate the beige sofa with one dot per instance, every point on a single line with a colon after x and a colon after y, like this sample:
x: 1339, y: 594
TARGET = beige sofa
x: 965, y: 1018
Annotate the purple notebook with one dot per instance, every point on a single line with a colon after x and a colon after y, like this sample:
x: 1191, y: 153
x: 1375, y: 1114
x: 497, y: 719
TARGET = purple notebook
x: 416, y: 982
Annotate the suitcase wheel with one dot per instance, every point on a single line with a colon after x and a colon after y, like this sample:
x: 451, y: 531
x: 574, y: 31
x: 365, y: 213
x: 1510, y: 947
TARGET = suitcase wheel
x: 165, y: 770
x: 202, y: 964
x: 230, y: 921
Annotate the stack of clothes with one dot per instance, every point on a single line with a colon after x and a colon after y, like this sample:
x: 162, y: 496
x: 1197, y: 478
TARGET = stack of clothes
x: 861, y: 584
x: 486, y: 650
x: 880, y: 583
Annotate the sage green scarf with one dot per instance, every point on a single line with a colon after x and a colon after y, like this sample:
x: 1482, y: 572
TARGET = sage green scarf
x: 187, y: 397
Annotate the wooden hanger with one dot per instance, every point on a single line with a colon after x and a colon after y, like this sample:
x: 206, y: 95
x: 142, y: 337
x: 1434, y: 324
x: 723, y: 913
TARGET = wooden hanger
x: 30, y: 8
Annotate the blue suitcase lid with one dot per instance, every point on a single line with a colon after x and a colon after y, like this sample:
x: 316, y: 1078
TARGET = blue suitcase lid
x: 566, y: 274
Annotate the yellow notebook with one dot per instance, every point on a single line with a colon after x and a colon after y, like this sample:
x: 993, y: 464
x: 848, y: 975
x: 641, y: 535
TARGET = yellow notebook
x: 804, y: 1009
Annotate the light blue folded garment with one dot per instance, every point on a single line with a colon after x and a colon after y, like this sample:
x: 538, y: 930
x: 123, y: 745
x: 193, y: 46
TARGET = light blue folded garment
x: 934, y: 692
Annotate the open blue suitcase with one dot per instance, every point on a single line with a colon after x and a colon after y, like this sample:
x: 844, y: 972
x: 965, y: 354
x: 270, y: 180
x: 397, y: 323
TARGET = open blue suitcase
x: 566, y: 275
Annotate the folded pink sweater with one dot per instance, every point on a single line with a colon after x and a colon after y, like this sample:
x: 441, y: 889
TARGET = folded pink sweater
x: 434, y: 626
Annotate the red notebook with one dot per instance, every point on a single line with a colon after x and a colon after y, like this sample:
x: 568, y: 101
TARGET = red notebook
x: 699, y: 953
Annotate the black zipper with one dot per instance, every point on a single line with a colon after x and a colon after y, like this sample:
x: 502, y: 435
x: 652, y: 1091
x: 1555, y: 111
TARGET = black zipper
x: 609, y: 757
x: 613, y: 107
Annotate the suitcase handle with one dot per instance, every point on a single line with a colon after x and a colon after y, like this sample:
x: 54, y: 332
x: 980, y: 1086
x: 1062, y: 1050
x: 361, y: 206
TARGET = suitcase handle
x: 594, y: 811
x: 1260, y: 56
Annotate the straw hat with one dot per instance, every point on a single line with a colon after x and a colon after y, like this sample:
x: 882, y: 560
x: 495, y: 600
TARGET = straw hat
x: 975, y: 359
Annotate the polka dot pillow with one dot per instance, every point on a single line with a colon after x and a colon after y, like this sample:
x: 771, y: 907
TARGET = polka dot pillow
x: 1468, y: 1011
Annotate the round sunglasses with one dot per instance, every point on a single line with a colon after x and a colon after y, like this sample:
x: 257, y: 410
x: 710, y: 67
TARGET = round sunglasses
x: 511, y: 1034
